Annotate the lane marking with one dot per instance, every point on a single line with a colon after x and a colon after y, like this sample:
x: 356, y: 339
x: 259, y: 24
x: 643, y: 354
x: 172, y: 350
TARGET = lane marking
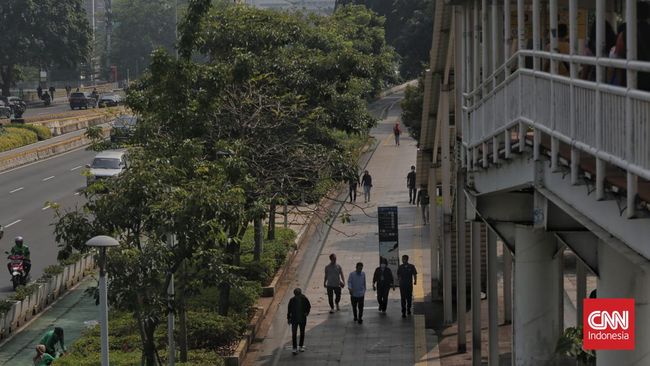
x: 16, y: 190
x: 75, y: 168
x: 45, y: 208
x: 43, y: 160
x: 48, y: 178
x: 13, y: 223
x: 77, y: 193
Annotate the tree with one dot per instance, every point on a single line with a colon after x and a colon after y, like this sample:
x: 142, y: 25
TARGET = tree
x: 34, y: 33
x: 412, y: 108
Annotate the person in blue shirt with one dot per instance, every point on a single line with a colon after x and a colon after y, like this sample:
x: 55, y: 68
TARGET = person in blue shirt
x: 357, y: 288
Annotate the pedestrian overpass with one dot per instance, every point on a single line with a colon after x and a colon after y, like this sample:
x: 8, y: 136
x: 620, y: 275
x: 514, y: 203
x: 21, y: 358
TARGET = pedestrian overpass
x: 544, y: 160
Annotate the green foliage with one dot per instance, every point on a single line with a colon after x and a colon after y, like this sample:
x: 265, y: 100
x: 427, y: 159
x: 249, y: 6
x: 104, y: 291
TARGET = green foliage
x: 207, y: 330
x: 273, y: 255
x: 412, y: 108
x: 42, y: 132
x: 23, y: 291
x: 71, y: 259
x: 570, y: 344
x: 5, y: 305
x: 41, y: 33
x: 12, y: 137
x: 52, y: 271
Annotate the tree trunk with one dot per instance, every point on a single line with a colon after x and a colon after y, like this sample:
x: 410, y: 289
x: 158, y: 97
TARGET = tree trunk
x: 182, y: 314
x: 6, y: 76
x: 259, y: 239
x: 149, y: 344
x: 272, y: 210
x: 232, y: 258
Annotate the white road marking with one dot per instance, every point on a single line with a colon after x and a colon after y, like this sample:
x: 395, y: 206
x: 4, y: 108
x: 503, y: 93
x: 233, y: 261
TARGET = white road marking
x: 45, y: 208
x: 77, y: 193
x: 75, y: 168
x: 48, y: 178
x: 16, y: 190
x: 13, y: 223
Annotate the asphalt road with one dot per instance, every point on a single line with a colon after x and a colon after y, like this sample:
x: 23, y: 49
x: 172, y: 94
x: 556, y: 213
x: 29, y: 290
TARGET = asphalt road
x: 59, y: 106
x: 24, y: 192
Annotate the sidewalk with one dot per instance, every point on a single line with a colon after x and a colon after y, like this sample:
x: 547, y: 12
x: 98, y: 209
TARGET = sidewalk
x: 70, y: 313
x: 383, y: 339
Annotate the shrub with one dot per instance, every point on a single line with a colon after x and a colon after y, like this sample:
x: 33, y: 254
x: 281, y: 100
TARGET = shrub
x: 12, y: 137
x: 23, y: 291
x: 51, y: 271
x: 5, y: 305
x: 42, y: 132
x: 273, y: 256
x: 207, y: 330
x: 72, y: 259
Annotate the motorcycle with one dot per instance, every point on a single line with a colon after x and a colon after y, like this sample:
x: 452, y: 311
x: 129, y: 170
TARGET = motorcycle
x: 47, y: 100
x: 16, y: 267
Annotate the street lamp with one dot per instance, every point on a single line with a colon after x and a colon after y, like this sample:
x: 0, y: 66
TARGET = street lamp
x: 102, y: 242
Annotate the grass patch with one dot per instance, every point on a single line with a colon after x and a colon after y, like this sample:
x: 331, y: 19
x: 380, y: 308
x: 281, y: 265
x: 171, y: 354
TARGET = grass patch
x: 42, y: 132
x: 14, y: 137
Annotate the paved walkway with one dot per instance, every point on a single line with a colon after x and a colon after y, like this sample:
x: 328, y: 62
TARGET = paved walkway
x: 382, y: 339
x: 70, y: 313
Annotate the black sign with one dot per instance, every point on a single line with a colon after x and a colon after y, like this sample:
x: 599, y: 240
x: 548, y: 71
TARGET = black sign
x: 387, y: 219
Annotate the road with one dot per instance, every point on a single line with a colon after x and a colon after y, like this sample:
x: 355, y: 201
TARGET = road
x: 59, y: 106
x: 24, y: 192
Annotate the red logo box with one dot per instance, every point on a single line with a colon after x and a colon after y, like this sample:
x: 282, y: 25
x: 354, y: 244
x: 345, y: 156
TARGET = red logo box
x: 608, y: 324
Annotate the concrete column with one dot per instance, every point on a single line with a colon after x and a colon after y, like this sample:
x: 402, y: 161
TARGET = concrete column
x: 476, y: 293
x: 537, y: 318
x: 620, y: 278
x: 507, y: 285
x: 581, y: 289
x: 493, y: 300
x: 434, y: 232
x: 461, y: 289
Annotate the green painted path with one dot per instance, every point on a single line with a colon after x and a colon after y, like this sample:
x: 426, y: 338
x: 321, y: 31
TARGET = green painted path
x: 70, y: 313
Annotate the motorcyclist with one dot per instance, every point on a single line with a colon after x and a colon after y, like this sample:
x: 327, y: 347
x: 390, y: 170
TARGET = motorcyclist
x: 21, y: 249
x: 51, y: 338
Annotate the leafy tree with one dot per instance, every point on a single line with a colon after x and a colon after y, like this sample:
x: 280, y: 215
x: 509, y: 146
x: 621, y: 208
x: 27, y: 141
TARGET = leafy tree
x: 41, y: 33
x: 412, y: 108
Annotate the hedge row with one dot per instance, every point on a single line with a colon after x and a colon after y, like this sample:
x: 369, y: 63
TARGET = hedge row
x: 42, y: 132
x: 13, y: 137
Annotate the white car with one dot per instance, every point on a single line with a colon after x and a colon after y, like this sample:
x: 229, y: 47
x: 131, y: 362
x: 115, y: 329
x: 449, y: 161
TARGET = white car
x: 106, y: 164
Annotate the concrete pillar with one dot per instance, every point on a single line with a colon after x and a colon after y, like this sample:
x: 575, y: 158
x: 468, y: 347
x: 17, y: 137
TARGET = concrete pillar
x: 493, y: 300
x: 581, y: 289
x: 536, y: 315
x: 461, y: 288
x: 507, y: 285
x: 476, y: 293
x: 618, y: 277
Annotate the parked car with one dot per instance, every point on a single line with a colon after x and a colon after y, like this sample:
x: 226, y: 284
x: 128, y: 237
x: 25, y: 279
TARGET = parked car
x: 123, y: 128
x: 82, y: 100
x: 17, y: 105
x: 109, y: 100
x: 106, y: 164
x: 5, y: 110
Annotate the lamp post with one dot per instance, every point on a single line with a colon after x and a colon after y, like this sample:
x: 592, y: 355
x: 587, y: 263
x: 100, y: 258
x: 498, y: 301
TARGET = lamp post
x: 102, y: 242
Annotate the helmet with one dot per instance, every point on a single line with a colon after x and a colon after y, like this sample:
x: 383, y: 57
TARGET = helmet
x: 19, y: 240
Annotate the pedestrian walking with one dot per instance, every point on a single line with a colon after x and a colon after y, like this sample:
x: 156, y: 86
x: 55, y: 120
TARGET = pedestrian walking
x: 333, y: 282
x: 366, y: 183
x: 357, y: 287
x: 397, y: 131
x: 68, y: 89
x: 52, y: 90
x: 407, y: 277
x: 297, y: 313
x: 423, y: 202
x: 353, y: 183
x: 382, y: 281
x: 410, y: 184
x: 39, y: 92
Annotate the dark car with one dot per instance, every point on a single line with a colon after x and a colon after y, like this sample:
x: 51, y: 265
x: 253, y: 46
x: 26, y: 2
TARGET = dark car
x: 82, y: 100
x: 17, y: 105
x: 123, y: 128
x: 5, y: 110
x: 109, y: 100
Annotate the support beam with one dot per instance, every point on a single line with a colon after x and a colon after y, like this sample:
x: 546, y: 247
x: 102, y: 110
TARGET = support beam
x: 581, y: 289
x: 555, y: 152
x: 507, y: 285
x: 536, y: 324
x: 476, y: 293
x: 493, y: 299
x: 632, y: 189
x: 461, y: 290
x: 575, y: 165
x: 435, y: 231
x: 600, y: 179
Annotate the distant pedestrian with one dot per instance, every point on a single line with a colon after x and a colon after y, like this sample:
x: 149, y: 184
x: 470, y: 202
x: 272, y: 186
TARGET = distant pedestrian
x: 382, y: 281
x: 423, y: 201
x: 333, y: 282
x: 353, y: 183
x: 297, y: 313
x: 357, y: 287
x: 366, y: 183
x: 39, y: 92
x: 410, y: 184
x: 52, y: 90
x: 68, y: 89
x: 407, y: 277
x: 397, y: 131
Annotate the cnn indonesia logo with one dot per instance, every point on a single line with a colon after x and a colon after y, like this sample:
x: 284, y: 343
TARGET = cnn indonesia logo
x: 608, y: 324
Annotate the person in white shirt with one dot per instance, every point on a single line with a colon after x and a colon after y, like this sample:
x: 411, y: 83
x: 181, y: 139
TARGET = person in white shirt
x: 357, y: 287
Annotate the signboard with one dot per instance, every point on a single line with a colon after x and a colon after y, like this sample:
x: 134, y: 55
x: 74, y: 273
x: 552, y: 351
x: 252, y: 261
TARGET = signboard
x: 388, y: 236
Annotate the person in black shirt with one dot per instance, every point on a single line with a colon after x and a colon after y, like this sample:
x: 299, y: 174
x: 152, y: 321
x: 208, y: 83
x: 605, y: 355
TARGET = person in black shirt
x: 410, y: 184
x: 297, y: 312
x: 382, y: 281
x: 366, y: 183
x: 407, y: 277
x: 423, y: 201
x: 353, y: 182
